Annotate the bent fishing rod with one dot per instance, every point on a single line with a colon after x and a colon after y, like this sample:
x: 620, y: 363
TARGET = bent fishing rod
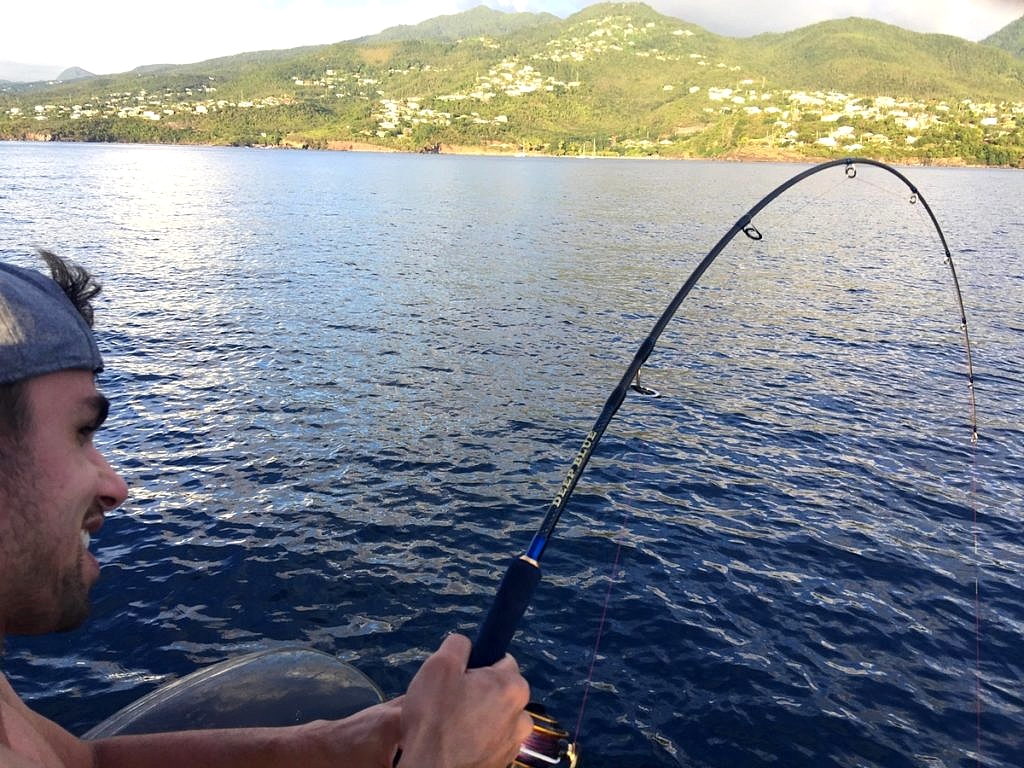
x: 523, y: 574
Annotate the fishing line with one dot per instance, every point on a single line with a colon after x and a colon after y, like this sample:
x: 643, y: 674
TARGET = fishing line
x: 977, y: 590
x: 601, y: 625
x: 523, y: 574
x: 763, y: 251
x: 977, y: 600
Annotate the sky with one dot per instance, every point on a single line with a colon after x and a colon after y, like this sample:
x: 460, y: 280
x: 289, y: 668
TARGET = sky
x: 107, y: 36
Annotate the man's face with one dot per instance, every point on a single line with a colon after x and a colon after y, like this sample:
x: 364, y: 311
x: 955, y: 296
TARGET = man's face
x: 54, y: 488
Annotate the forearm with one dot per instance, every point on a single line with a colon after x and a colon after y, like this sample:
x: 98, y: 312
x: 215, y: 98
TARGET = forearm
x: 201, y: 749
x: 368, y: 739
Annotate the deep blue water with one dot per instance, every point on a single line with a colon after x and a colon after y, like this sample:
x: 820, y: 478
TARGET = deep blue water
x: 347, y: 386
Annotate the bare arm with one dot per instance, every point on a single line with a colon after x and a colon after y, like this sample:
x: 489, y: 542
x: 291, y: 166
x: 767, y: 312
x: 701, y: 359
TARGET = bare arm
x: 367, y: 739
x: 451, y: 717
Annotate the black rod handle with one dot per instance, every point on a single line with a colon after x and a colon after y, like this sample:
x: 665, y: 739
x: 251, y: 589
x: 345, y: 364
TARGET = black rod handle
x: 509, y: 605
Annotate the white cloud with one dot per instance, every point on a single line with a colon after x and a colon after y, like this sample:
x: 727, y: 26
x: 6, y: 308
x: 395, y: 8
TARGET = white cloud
x: 963, y: 18
x: 118, y: 35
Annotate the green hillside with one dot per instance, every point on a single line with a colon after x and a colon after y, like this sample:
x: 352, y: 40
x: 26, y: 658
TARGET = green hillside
x: 480, y: 21
x: 616, y: 79
x: 1010, y: 38
x: 869, y: 57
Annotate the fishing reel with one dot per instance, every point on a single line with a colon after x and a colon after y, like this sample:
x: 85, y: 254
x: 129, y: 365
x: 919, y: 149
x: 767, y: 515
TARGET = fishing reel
x: 548, y: 745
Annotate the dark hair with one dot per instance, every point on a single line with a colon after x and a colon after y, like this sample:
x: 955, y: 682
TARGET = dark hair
x: 76, y: 282
x: 81, y: 288
x: 13, y: 413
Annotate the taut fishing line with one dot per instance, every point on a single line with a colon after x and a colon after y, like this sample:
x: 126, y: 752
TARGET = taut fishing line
x: 523, y: 574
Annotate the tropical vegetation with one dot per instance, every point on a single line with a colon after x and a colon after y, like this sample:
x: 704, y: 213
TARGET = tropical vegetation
x: 614, y: 79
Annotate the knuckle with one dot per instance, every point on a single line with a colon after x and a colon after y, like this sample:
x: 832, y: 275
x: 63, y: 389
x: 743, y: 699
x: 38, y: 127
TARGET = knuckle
x: 521, y: 691
x: 524, y: 727
x: 456, y: 643
x: 453, y: 651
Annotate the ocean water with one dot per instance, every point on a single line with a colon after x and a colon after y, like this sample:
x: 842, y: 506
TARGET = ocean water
x: 346, y: 387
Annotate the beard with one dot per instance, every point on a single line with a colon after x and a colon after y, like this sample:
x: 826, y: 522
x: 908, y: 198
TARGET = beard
x: 38, y: 593
x: 47, y: 601
x: 72, y: 601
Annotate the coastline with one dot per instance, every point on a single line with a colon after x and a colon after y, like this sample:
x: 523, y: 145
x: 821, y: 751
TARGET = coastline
x: 742, y: 155
x: 502, y: 149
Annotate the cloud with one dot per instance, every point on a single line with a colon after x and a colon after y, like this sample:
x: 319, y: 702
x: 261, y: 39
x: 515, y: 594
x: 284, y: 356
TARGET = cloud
x: 742, y: 18
x: 561, y: 8
x: 115, y: 35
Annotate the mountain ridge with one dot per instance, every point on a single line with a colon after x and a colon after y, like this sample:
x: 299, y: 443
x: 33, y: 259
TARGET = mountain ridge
x: 1009, y: 38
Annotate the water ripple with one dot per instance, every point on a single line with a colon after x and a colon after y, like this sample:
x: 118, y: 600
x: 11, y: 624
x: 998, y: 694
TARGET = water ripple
x: 340, y: 414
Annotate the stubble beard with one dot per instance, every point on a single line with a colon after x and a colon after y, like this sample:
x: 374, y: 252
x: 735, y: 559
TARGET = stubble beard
x: 73, y: 604
x: 37, y: 596
x: 47, y: 601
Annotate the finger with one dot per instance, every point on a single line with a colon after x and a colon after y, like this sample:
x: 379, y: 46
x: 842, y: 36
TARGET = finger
x: 452, y: 655
x: 522, y: 731
x: 516, y: 684
x: 505, y: 674
x: 457, y: 645
x: 522, y: 692
x: 524, y: 727
x: 507, y: 662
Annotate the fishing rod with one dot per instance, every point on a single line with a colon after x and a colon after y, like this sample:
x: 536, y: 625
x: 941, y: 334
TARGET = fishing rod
x: 524, y: 573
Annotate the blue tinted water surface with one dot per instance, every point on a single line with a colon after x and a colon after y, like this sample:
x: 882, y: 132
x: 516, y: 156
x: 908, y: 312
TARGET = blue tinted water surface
x: 346, y: 387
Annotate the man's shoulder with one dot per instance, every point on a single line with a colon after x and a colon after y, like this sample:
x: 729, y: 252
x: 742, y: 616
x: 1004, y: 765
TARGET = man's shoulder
x: 11, y: 759
x: 28, y: 739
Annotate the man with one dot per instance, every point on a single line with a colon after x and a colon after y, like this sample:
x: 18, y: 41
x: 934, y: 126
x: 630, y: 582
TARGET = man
x: 56, y: 487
